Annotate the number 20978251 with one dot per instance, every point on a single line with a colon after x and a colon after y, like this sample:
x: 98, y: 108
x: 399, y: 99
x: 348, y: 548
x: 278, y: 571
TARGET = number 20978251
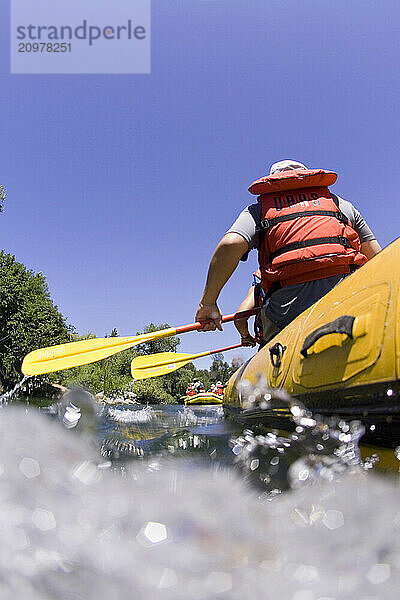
x: 45, y: 47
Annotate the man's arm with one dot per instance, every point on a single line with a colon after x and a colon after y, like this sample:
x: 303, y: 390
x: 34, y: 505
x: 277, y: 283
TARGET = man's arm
x: 369, y: 245
x: 242, y: 324
x: 370, y: 248
x: 223, y: 263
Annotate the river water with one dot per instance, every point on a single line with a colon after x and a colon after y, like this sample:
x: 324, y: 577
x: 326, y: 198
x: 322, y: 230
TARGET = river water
x: 176, y: 502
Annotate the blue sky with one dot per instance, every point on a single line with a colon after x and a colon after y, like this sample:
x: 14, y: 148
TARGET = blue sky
x: 120, y: 186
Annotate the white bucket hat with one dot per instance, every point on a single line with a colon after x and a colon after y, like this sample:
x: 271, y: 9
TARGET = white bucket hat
x: 286, y: 165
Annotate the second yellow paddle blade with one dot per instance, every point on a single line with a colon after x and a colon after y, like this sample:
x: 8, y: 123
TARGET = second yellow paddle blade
x: 144, y: 367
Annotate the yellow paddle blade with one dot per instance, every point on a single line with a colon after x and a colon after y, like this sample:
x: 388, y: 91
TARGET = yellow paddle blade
x: 73, y: 354
x: 153, y: 365
x: 163, y: 363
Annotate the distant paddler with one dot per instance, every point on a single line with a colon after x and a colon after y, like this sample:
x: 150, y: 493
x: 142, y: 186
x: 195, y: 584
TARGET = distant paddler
x: 308, y: 240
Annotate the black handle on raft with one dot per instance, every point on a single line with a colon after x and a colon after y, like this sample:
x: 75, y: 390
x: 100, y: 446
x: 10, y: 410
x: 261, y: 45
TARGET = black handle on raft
x: 342, y: 324
x: 275, y: 353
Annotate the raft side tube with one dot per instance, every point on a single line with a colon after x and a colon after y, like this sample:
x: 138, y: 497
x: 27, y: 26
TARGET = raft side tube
x: 348, y: 340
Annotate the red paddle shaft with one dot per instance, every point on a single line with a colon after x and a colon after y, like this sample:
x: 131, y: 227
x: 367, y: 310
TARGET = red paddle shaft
x: 226, y: 349
x: 240, y: 315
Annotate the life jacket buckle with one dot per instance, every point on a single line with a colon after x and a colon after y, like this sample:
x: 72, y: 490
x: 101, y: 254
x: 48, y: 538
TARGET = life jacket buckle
x: 342, y: 218
x: 265, y: 224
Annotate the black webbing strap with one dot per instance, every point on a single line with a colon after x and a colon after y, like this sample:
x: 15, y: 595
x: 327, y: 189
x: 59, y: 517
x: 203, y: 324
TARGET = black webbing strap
x: 307, y: 243
x: 268, y: 223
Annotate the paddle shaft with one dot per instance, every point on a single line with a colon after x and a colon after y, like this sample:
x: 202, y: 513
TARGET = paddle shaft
x: 200, y: 354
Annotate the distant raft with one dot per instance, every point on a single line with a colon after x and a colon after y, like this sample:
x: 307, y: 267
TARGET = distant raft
x: 204, y: 398
x: 342, y: 355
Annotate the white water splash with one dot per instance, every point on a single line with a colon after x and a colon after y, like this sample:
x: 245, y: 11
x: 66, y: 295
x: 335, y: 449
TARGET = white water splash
x: 180, y: 419
x: 71, y: 528
x: 317, y: 449
x: 20, y: 386
x: 144, y: 415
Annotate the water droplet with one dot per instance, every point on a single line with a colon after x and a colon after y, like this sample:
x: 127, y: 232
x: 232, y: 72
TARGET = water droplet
x: 152, y: 533
x: 379, y: 573
x: 71, y: 416
x: 237, y: 449
x: 296, y: 411
x: 303, y: 474
x: 87, y: 473
x: 306, y: 574
x: 43, y: 519
x: 219, y: 582
x: 333, y: 519
x: 168, y: 579
x: 29, y: 467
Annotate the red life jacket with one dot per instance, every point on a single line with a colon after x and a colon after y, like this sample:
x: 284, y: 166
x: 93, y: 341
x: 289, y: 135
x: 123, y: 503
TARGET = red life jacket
x: 304, y: 234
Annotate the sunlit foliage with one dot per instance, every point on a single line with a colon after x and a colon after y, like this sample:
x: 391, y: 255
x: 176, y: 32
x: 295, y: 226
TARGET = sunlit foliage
x: 28, y: 317
x: 2, y: 197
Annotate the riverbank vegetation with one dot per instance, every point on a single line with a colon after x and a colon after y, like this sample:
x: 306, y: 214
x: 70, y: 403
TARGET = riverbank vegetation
x: 2, y: 197
x: 29, y: 320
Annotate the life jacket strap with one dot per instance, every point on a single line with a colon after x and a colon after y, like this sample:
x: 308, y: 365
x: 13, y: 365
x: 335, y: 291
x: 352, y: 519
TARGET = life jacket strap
x: 307, y: 243
x: 268, y: 223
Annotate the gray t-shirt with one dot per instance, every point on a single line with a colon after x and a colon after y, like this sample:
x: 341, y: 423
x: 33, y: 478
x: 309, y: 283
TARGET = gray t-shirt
x: 249, y: 220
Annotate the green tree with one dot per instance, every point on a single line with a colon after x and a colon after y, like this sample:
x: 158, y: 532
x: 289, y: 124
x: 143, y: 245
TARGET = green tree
x: 152, y: 391
x: 176, y: 382
x: 168, y: 344
x: 28, y: 317
x: 2, y: 197
x: 220, y: 369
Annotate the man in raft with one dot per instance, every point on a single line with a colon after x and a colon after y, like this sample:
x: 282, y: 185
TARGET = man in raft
x: 308, y: 240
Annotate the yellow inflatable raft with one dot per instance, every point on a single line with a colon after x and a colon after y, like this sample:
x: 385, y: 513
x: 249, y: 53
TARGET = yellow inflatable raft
x: 342, y: 355
x: 204, y: 398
